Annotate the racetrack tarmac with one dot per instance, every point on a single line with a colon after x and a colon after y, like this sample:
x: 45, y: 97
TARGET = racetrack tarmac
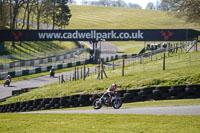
x: 173, y: 110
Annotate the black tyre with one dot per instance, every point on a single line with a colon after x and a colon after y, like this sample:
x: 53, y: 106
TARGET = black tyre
x: 121, y: 92
x: 117, y: 103
x: 163, y: 89
x: 84, y: 97
x: 97, y: 104
x: 179, y: 88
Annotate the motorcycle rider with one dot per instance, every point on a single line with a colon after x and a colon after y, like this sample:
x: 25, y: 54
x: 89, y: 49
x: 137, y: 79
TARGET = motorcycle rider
x: 52, y: 72
x: 111, y: 91
x: 7, y: 81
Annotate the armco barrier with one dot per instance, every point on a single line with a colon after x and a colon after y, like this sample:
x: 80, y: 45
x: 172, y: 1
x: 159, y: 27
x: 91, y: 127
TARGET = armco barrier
x: 80, y: 100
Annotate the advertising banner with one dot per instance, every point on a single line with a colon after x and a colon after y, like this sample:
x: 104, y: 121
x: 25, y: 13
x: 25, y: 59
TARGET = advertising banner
x: 97, y: 35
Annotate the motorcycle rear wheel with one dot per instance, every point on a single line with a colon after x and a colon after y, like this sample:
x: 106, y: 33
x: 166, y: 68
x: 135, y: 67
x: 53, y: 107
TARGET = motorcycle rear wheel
x: 97, y: 104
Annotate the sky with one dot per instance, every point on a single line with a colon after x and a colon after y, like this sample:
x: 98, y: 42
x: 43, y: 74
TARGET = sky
x: 142, y: 3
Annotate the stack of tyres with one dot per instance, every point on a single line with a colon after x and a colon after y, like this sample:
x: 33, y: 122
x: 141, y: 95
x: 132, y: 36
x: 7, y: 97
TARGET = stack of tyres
x: 2, y: 109
x: 131, y: 96
x: 54, y: 103
x: 36, y: 104
x: 12, y: 107
x: 30, y: 105
x: 17, y: 106
x: 161, y: 92
x: 23, y: 107
x: 84, y: 100
x: 1, y: 106
x: 44, y: 104
x: 7, y: 108
x: 192, y: 91
x: 74, y: 101
x: 93, y: 97
x: 177, y: 92
x: 64, y: 102
x: 146, y: 93
x: 121, y: 92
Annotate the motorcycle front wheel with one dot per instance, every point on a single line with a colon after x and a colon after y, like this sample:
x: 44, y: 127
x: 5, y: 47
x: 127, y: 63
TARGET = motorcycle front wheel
x: 97, y: 104
x: 117, y: 103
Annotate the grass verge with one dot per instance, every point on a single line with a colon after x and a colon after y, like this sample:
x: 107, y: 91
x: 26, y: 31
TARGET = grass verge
x: 33, y: 47
x: 108, y: 123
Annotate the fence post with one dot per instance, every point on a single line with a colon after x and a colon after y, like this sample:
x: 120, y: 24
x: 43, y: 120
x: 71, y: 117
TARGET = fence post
x: 62, y: 79
x: 81, y: 73
x: 113, y: 66
x: 75, y: 73
x: 59, y: 79
x: 164, y: 61
x: 123, y: 68
x: 84, y: 73
x: 101, y: 69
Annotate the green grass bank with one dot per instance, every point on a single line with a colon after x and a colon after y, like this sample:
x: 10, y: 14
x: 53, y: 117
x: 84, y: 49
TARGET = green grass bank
x: 108, y: 123
x: 181, y: 69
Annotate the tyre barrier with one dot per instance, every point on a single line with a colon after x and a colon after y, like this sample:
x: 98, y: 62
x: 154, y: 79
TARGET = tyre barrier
x: 21, y: 91
x: 127, y: 96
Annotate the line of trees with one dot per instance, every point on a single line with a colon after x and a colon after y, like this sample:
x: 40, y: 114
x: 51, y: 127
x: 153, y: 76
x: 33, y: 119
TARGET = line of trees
x: 108, y: 3
x: 190, y: 9
x: 17, y: 14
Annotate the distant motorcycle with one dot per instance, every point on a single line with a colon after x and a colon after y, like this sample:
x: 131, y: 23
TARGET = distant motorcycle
x: 7, y: 82
x: 52, y: 74
x: 105, y: 100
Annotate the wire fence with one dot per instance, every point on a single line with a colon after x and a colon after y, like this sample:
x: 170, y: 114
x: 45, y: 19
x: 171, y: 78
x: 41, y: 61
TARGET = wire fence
x: 127, y: 62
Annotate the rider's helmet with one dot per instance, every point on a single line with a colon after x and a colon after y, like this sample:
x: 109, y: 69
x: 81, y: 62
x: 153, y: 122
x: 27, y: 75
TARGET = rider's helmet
x: 9, y: 77
x: 114, y: 85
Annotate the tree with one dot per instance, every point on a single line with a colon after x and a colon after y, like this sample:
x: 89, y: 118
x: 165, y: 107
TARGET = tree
x: 121, y: 3
x: 48, y: 12
x: 150, y: 6
x: 104, y: 3
x: 63, y: 14
x: 72, y: 2
x: 185, y: 8
x: 160, y: 5
x: 39, y: 11
x: 29, y: 9
x: 4, y: 13
x: 15, y: 5
x: 131, y: 5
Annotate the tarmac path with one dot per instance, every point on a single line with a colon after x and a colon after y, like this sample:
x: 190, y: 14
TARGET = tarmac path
x: 34, y: 82
x: 173, y: 110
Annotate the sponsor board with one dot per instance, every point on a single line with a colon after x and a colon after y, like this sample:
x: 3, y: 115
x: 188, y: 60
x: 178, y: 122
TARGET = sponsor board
x: 98, y: 35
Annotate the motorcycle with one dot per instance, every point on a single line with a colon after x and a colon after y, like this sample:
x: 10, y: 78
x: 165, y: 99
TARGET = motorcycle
x: 105, y: 100
x: 7, y: 82
x: 52, y: 74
